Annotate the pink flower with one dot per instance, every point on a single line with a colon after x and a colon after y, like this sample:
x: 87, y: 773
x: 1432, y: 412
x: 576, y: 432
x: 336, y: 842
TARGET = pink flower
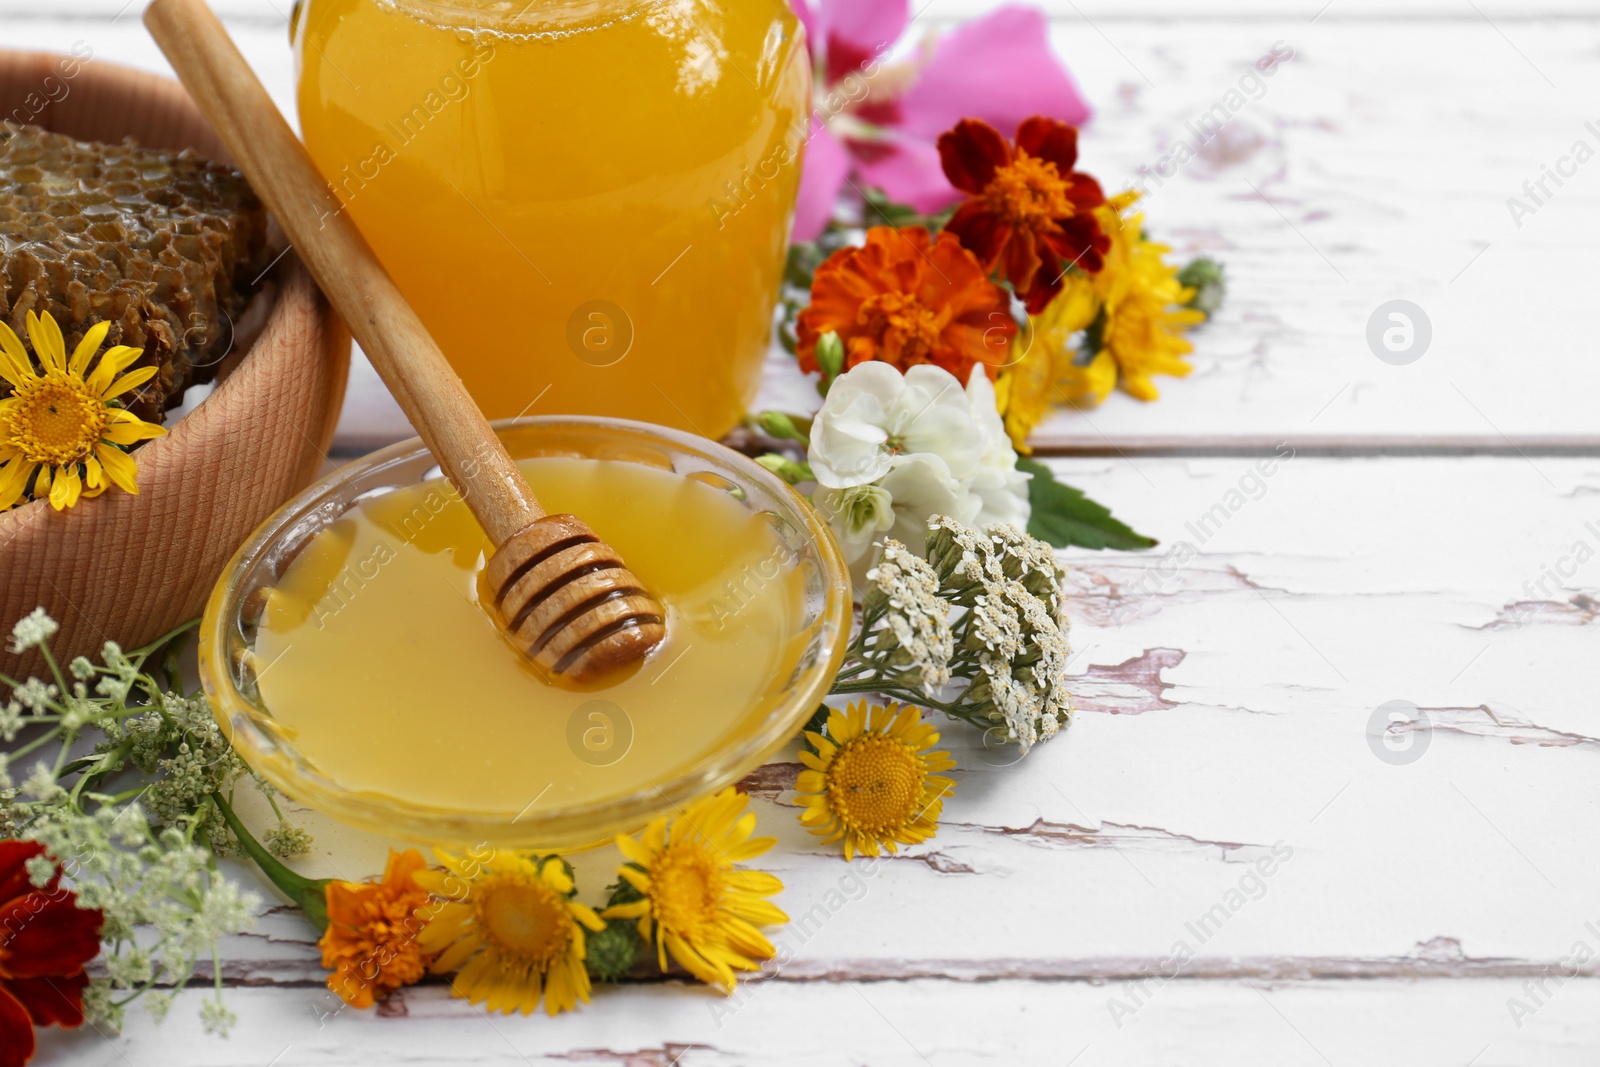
x: 878, y: 125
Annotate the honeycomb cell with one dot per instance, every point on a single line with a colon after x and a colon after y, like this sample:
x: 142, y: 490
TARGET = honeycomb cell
x: 164, y: 244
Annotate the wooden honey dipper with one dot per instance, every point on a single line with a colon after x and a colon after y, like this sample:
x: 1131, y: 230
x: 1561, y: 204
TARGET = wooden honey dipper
x: 562, y: 594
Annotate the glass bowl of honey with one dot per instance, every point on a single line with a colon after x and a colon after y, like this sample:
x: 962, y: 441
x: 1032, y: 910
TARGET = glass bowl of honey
x: 351, y: 656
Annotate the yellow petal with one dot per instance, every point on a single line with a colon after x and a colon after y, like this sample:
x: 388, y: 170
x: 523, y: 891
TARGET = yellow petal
x: 457, y: 953
x: 67, y: 488
x: 627, y: 911
x: 633, y: 851
x: 17, y: 371
x: 14, y: 362
x: 92, y: 339
x: 132, y: 429
x: 756, y: 910
x: 132, y: 380
x: 13, y: 481
x: 48, y: 346
x: 120, y: 468
x: 754, y: 881
x: 112, y: 363
x: 1095, y: 380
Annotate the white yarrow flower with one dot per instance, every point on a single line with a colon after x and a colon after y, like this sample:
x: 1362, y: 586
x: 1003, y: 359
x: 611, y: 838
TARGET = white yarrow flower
x: 32, y: 630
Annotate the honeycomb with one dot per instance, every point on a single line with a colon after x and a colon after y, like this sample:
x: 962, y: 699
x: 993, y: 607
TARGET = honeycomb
x: 166, y: 245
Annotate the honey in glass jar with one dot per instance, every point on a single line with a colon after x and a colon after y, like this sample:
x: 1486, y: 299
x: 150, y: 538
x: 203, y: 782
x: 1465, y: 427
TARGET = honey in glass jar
x: 587, y: 201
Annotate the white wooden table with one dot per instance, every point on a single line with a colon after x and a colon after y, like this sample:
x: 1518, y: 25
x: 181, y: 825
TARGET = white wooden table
x: 1432, y: 540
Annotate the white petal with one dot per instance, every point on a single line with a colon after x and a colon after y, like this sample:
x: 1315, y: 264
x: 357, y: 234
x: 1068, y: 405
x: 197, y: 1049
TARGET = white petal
x: 922, y: 487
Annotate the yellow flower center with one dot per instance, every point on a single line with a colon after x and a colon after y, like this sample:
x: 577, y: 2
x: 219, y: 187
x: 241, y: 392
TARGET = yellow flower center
x: 1028, y: 190
x: 875, y: 784
x: 900, y: 323
x: 525, y: 921
x: 55, y: 420
x: 686, y: 888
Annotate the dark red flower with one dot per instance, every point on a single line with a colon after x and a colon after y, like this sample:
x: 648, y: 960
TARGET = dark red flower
x: 1028, y: 215
x: 45, y: 939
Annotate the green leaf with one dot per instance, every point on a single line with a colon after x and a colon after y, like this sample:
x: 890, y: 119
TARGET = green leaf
x: 1063, y: 516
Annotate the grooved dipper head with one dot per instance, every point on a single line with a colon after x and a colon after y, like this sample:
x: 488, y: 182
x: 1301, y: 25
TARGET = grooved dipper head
x: 566, y: 598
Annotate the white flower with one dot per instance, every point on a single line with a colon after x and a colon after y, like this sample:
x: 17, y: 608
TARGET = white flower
x: 858, y: 516
x: 923, y: 486
x: 917, y: 620
x: 873, y: 414
x: 1001, y: 488
x: 33, y: 629
x: 36, y: 695
x: 41, y: 784
x: 10, y: 721
x: 215, y: 1018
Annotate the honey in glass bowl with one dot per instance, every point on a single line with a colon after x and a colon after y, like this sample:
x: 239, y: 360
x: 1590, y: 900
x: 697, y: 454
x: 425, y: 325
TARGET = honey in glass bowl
x: 353, y: 662
x: 389, y: 672
x: 587, y: 201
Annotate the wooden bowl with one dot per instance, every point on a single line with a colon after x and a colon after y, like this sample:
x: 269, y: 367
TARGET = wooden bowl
x: 129, y: 568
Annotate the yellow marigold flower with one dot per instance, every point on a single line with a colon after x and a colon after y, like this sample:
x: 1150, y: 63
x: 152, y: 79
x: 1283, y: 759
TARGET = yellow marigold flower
x: 694, y: 903
x: 370, y: 945
x: 507, y: 924
x: 1139, y: 305
x: 62, y: 434
x: 872, y: 780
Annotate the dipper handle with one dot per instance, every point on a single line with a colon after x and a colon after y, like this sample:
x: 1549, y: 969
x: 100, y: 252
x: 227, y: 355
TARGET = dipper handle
x: 574, y: 606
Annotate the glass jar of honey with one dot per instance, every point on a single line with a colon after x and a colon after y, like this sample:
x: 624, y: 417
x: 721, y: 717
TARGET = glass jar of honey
x: 587, y: 201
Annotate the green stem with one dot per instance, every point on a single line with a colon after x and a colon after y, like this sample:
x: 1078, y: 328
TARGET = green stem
x: 85, y: 777
x: 55, y: 671
x: 50, y: 735
x: 906, y: 696
x: 139, y: 653
x: 311, y: 895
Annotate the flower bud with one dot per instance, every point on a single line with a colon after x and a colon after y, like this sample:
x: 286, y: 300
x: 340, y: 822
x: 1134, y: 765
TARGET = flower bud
x: 1205, y: 276
x: 777, y: 424
x: 830, y: 355
x: 785, y: 468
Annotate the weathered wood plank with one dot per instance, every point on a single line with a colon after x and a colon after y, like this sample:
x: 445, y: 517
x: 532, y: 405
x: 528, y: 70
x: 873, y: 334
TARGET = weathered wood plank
x: 1219, y: 788
x: 1343, y: 1024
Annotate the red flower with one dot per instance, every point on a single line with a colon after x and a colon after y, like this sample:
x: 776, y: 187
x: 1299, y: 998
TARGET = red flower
x: 903, y: 299
x: 1030, y: 215
x: 45, y: 939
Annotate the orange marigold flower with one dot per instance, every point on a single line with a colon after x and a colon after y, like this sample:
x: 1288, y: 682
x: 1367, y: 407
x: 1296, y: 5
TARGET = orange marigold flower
x: 370, y: 945
x: 906, y: 298
x: 1030, y: 216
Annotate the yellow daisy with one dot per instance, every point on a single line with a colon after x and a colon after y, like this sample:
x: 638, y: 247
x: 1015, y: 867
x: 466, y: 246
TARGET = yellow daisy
x: 63, y: 434
x: 1139, y: 304
x: 510, y: 929
x: 693, y: 902
x: 872, y: 780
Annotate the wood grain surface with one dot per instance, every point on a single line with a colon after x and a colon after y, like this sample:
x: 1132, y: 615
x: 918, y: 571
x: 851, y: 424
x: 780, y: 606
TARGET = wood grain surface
x: 134, y: 567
